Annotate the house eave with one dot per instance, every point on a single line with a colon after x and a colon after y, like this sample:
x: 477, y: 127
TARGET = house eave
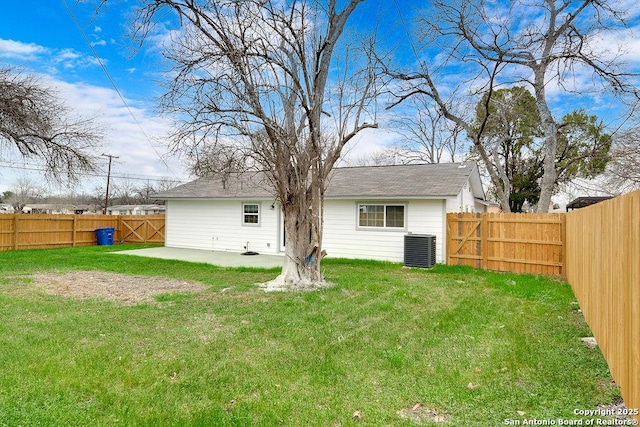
x: 345, y: 197
x: 392, y: 197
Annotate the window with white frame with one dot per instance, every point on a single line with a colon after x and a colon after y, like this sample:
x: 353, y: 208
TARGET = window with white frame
x: 251, y: 213
x: 381, y: 216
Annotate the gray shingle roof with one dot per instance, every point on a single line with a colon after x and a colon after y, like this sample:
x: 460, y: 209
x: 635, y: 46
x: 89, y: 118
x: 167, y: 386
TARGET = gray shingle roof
x: 427, y: 180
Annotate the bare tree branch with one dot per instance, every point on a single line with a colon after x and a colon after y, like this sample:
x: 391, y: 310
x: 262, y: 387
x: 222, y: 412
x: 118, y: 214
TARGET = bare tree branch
x: 538, y: 43
x: 251, y: 89
x: 38, y: 125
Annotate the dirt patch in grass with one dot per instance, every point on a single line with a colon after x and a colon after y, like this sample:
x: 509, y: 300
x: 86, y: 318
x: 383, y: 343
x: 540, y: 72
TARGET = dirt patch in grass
x: 111, y: 286
x: 422, y: 414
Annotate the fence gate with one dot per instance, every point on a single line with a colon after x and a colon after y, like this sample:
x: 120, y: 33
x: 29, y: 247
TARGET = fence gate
x: 137, y: 229
x: 464, y: 240
x: 519, y: 243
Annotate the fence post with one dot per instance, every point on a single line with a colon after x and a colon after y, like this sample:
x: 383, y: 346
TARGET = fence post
x: 16, y: 221
x: 563, y: 251
x: 73, y: 232
x: 484, y: 231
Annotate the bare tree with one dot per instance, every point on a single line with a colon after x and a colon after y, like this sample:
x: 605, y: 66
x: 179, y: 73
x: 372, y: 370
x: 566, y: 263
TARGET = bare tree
x: 38, y: 125
x: 380, y: 157
x: 428, y: 137
x: 25, y: 191
x: 144, y: 193
x: 623, y: 171
x: 521, y: 42
x: 124, y: 192
x: 421, y: 83
x: 164, y: 184
x: 269, y: 86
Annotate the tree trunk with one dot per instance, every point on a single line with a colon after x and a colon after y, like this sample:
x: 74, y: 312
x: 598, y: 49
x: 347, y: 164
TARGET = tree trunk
x: 550, y: 174
x: 303, y: 249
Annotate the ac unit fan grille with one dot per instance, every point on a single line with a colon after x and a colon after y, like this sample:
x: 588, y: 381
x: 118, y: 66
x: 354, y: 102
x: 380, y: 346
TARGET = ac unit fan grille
x: 419, y: 250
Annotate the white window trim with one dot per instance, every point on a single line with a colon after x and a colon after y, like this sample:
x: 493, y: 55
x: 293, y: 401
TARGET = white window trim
x: 259, y: 214
x: 384, y: 227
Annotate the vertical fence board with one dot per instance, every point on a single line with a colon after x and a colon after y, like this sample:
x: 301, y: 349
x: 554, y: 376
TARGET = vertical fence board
x: 603, y: 268
x: 519, y: 243
x: 20, y: 231
x: 597, y: 248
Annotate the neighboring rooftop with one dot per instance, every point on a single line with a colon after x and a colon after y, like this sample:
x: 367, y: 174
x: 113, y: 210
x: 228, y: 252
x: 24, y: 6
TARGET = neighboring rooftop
x: 582, y: 202
x: 425, y: 180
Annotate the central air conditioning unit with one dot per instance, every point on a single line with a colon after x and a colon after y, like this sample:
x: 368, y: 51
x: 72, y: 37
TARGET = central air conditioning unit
x: 419, y: 250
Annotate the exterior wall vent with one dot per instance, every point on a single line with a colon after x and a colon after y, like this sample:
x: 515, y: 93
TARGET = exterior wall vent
x: 419, y: 250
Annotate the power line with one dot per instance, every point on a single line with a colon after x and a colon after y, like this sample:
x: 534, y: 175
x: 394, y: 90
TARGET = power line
x: 115, y: 87
x: 133, y: 177
x: 408, y: 34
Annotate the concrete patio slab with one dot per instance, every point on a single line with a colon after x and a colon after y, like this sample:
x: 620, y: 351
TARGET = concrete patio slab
x: 221, y: 259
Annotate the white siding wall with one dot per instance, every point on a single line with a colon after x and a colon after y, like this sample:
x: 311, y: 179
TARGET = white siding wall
x: 342, y: 238
x: 217, y: 225
x: 463, y: 202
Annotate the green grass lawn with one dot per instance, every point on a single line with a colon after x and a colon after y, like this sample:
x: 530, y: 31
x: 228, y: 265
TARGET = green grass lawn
x: 473, y: 347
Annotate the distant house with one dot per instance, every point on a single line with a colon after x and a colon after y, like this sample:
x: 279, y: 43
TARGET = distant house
x: 136, y: 210
x: 58, y: 208
x: 367, y: 210
x: 86, y: 210
x: 47, y: 208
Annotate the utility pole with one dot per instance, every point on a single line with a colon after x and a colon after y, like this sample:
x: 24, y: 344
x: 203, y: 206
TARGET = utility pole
x: 106, y: 197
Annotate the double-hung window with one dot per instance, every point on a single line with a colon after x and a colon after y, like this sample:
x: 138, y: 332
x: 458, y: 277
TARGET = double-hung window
x: 250, y: 214
x: 381, y: 216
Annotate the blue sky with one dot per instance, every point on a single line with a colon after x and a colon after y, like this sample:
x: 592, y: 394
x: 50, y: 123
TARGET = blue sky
x: 42, y: 37
x: 48, y: 36
x: 55, y: 39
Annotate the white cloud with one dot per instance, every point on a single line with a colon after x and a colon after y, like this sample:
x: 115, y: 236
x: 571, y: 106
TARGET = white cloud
x: 132, y: 130
x: 131, y: 133
x: 45, y: 58
x: 19, y: 50
x: 366, y: 144
x: 66, y: 55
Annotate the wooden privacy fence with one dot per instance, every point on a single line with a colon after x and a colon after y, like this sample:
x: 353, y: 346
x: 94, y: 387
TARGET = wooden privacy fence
x: 597, y: 248
x: 603, y: 268
x: 20, y: 231
x: 520, y: 243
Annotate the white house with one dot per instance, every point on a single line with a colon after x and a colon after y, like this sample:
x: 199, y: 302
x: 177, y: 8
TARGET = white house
x: 6, y: 208
x: 136, y: 210
x: 367, y: 211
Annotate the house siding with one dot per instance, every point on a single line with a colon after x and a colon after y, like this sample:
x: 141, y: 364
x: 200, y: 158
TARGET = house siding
x: 217, y: 225
x: 464, y: 201
x: 342, y: 238
x: 206, y: 214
